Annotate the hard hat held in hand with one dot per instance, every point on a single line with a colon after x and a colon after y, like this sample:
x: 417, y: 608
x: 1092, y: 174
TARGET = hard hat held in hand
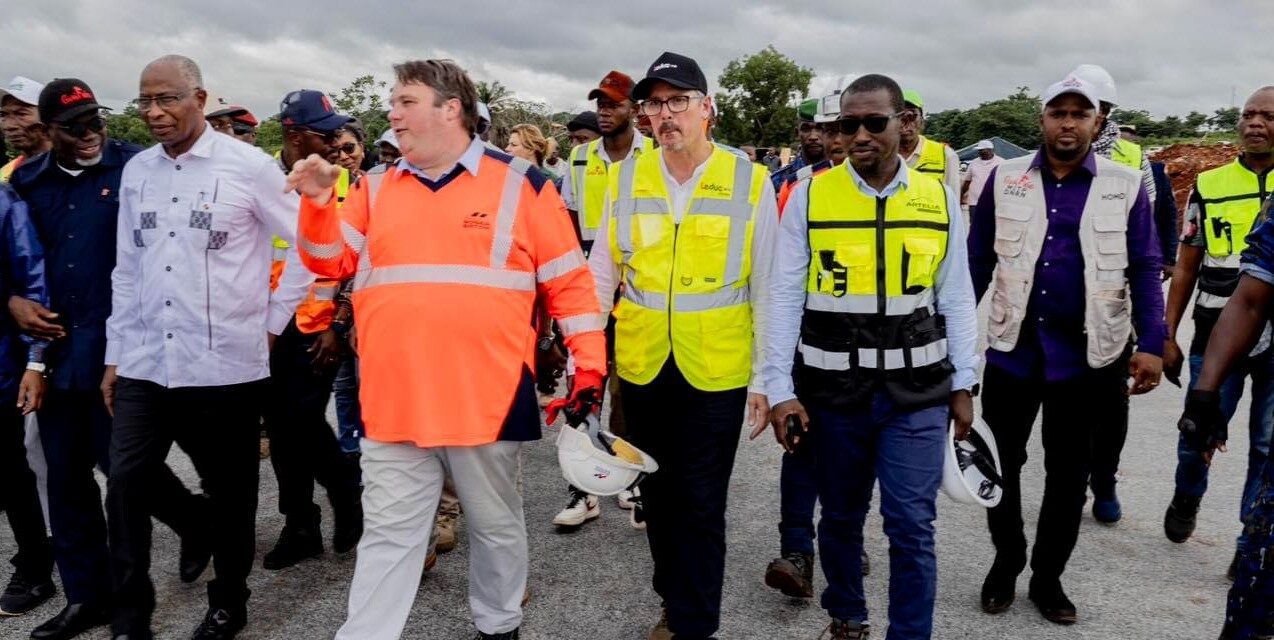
x: 600, y: 462
x: 971, y: 469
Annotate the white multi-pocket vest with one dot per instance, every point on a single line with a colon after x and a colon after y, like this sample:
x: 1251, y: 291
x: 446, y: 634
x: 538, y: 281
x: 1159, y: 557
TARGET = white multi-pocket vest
x: 1021, y: 223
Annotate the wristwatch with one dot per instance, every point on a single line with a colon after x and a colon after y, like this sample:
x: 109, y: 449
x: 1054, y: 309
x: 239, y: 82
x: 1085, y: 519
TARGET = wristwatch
x: 545, y: 343
x: 341, y: 327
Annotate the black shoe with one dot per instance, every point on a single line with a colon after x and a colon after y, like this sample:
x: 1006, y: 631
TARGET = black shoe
x: 348, y: 525
x: 846, y: 630
x: 1179, y: 521
x: 793, y: 574
x: 22, y: 595
x: 507, y: 635
x: 196, y: 553
x: 999, y: 589
x: 220, y: 624
x: 866, y: 563
x: 71, y: 621
x: 1053, y: 603
x: 295, y: 544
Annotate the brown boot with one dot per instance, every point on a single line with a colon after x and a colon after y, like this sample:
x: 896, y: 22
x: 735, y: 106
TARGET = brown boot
x: 661, y: 630
x: 445, y: 533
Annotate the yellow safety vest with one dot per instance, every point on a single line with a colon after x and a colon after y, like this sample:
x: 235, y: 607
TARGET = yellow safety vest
x: 7, y: 170
x: 869, y: 305
x: 1230, y: 197
x: 1126, y: 153
x: 588, y: 184
x: 933, y: 158
x: 316, y: 311
x: 685, y: 286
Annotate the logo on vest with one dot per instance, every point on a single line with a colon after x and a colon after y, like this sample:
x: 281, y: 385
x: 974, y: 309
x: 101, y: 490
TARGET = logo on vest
x: 477, y: 220
x: 1113, y: 196
x: 1018, y: 187
x: 597, y: 171
x: 715, y: 188
x: 923, y: 204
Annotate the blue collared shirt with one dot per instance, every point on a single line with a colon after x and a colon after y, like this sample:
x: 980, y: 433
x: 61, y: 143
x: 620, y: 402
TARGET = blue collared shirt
x: 790, y: 273
x: 1052, y: 341
x: 75, y: 218
x: 22, y: 275
x: 469, y: 161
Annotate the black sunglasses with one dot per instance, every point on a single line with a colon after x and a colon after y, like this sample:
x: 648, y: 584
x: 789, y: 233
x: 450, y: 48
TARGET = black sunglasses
x: 78, y: 129
x: 874, y: 124
x: 348, y: 148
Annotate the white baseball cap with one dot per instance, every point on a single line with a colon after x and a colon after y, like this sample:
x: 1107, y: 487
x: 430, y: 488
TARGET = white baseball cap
x: 388, y: 138
x: 24, y: 90
x: 1072, y: 84
x: 984, y: 144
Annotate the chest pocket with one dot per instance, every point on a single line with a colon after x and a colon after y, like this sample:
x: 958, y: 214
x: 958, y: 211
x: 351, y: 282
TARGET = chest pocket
x: 212, y: 225
x: 1010, y: 230
x: 147, y: 229
x: 704, y: 256
x: 859, y: 261
x: 920, y: 263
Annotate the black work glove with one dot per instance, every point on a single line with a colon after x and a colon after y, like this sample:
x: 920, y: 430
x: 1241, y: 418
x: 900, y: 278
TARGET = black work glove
x: 1202, y: 424
x: 550, y: 363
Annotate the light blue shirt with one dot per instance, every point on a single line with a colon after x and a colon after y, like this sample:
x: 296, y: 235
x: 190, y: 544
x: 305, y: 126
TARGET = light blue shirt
x: 470, y: 159
x: 790, y: 273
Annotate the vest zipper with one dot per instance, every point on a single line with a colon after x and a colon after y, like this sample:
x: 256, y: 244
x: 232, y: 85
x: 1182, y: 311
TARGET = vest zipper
x: 880, y: 277
x: 672, y: 274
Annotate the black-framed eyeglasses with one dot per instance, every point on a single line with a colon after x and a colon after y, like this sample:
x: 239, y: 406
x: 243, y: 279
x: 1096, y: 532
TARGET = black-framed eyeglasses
x: 78, y: 129
x: 874, y: 124
x: 348, y: 148
x: 166, y: 101
x: 328, y: 137
x: 676, y: 104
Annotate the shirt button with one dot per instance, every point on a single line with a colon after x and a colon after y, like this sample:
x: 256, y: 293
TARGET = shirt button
x: 1046, y: 264
x: 179, y: 167
x: 174, y: 198
x: 70, y: 236
x: 170, y: 336
x: 168, y: 303
x: 168, y: 268
x: 1044, y: 293
x: 1041, y: 319
x: 70, y: 265
x: 70, y: 206
x: 172, y: 234
x: 1054, y: 210
x: 1059, y: 185
x: 1050, y: 237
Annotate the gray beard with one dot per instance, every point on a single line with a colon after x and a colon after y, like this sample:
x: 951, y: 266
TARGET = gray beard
x: 91, y: 162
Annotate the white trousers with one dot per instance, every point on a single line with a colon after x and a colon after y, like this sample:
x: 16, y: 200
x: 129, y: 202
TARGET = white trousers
x: 402, y: 484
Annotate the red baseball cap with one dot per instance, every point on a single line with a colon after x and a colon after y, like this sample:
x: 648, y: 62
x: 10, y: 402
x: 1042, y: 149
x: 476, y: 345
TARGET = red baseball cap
x: 617, y: 86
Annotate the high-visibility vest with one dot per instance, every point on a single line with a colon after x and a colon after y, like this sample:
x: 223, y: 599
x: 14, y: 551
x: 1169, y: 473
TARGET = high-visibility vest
x: 315, y: 312
x: 869, y: 314
x: 807, y: 171
x: 685, y: 286
x: 588, y: 184
x: 9, y: 167
x: 447, y: 276
x: 933, y: 158
x: 1126, y: 153
x: 1230, y: 199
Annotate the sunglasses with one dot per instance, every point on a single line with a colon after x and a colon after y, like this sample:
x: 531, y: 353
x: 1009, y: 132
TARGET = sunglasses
x: 78, y: 129
x: 874, y: 124
x: 326, y: 136
x: 348, y: 148
x: 241, y: 129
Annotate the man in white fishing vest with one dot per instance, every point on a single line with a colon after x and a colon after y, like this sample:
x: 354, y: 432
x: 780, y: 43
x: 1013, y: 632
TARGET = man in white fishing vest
x: 1071, y: 240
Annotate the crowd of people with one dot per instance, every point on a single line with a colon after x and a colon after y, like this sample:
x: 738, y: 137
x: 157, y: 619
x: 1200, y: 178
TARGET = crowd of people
x: 202, y: 292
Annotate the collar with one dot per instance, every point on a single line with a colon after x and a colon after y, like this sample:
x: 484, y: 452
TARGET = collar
x: 636, y: 146
x: 111, y: 157
x: 899, y: 181
x: 1089, y: 164
x: 915, y: 153
x: 202, y: 148
x: 470, y: 160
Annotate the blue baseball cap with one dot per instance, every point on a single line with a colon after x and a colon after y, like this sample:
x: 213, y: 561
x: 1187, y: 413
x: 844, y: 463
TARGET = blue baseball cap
x: 310, y: 109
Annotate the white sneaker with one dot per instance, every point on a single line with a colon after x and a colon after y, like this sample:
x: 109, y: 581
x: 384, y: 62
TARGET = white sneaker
x: 625, y: 499
x: 581, y: 508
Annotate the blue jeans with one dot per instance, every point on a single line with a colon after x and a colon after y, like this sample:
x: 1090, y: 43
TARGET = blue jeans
x: 1250, y: 609
x: 1192, y: 471
x: 798, y: 493
x: 349, y: 413
x: 904, y: 450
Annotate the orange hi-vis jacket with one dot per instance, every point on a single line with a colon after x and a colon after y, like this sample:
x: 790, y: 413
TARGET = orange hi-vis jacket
x: 315, y: 313
x: 446, y: 280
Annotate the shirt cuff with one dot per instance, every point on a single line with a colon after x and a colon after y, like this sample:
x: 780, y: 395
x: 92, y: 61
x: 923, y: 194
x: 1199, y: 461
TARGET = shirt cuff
x: 964, y: 380
x: 112, y: 353
x: 35, y: 352
x: 1257, y: 272
x: 277, y: 319
x: 1152, y: 343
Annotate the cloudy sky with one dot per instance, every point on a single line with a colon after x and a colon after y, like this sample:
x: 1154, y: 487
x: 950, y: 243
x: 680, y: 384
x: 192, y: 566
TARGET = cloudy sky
x: 1168, y: 56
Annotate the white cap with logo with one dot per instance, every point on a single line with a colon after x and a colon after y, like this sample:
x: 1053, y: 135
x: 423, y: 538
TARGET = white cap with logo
x: 1072, y: 84
x: 24, y: 90
x: 984, y: 144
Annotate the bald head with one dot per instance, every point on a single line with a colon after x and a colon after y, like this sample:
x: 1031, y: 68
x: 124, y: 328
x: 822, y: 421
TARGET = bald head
x: 181, y: 65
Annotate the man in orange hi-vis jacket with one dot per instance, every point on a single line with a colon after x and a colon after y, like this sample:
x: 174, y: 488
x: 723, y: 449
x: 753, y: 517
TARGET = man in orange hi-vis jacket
x: 450, y: 250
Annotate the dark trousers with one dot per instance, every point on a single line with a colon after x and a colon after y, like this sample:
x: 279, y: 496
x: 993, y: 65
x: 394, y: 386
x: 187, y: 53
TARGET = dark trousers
x: 1108, y: 446
x: 75, y: 433
x: 218, y: 427
x: 1074, y: 410
x: 20, y: 500
x: 1249, y: 611
x: 303, y: 447
x: 693, y: 435
x: 903, y: 449
x: 798, y: 494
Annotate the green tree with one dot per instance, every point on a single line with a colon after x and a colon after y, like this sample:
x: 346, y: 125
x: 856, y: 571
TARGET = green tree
x: 1194, y: 122
x: 1225, y: 119
x: 128, y: 126
x: 757, y: 105
x: 1015, y: 118
x: 494, y: 94
x: 947, y: 126
x: 270, y: 136
x: 362, y: 98
x: 514, y: 111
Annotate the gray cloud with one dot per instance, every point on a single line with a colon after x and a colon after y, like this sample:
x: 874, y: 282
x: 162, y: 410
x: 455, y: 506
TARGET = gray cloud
x: 1168, y: 56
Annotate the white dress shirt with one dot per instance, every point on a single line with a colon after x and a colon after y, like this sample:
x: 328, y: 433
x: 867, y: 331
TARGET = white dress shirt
x: 764, y: 234
x: 191, y: 303
x: 790, y: 276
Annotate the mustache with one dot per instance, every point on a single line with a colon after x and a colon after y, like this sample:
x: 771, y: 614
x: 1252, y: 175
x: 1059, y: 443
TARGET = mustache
x: 668, y: 127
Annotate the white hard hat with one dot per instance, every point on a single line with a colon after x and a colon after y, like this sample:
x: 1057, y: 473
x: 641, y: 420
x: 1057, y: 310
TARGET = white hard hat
x: 828, y: 109
x: 585, y: 455
x: 1101, y: 80
x: 971, y: 473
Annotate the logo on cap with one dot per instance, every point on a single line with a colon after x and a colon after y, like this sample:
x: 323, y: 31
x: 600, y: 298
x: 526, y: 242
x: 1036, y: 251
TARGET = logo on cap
x: 78, y: 94
x: 327, y: 105
x: 1072, y: 83
x: 661, y: 67
x: 16, y: 86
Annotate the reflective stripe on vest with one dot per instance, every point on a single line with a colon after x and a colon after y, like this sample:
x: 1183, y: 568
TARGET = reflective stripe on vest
x: 933, y: 158
x: 685, y: 287
x: 1126, y: 153
x: 316, y: 311
x: 9, y: 167
x: 924, y: 356
x: 588, y: 185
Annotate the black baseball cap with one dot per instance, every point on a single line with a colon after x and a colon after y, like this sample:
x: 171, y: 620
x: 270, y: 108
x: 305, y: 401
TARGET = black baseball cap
x: 585, y: 120
x: 675, y: 69
x: 66, y: 98
x: 312, y: 110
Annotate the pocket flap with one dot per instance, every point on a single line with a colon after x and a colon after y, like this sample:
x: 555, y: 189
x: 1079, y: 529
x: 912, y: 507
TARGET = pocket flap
x: 853, y: 254
x: 1014, y: 212
x: 922, y: 246
x: 1111, y: 245
x: 1010, y: 232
